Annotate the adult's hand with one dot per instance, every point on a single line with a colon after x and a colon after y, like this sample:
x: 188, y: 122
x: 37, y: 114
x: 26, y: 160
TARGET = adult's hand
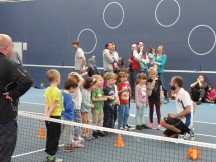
x: 6, y: 94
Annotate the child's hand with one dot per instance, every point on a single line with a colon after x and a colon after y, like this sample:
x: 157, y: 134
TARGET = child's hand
x: 92, y: 106
x: 146, y: 105
x: 110, y: 97
x: 124, y: 89
x: 138, y: 106
x: 161, y: 101
x: 118, y: 102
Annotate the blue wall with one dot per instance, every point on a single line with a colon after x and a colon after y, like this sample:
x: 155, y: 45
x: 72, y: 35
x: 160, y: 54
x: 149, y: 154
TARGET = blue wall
x: 49, y: 26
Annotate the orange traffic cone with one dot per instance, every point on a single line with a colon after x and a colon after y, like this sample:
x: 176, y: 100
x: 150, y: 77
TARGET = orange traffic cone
x: 193, y: 153
x: 119, y: 141
x: 41, y: 132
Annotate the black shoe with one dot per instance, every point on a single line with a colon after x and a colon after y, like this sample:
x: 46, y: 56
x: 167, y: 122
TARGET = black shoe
x: 199, y: 102
x: 128, y: 126
x: 99, y: 133
x: 144, y: 126
x: 138, y: 127
x: 94, y: 134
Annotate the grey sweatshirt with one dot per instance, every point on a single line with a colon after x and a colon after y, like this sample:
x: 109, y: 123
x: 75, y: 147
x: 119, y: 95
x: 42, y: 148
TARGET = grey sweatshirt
x: 108, y: 59
x: 86, y: 101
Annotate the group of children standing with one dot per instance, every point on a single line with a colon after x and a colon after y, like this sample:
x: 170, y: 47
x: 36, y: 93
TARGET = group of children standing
x: 74, y: 104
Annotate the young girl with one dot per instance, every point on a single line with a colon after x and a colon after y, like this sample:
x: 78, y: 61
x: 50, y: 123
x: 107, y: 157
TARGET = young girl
x: 160, y: 62
x: 155, y: 94
x: 90, y: 83
x: 141, y: 101
x: 151, y: 55
x: 210, y: 95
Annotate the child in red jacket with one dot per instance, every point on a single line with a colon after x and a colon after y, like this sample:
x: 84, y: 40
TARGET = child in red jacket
x: 210, y: 95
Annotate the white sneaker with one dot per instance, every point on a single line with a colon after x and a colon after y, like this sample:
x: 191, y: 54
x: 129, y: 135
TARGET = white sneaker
x: 81, y: 139
x: 185, y: 136
x: 121, y: 128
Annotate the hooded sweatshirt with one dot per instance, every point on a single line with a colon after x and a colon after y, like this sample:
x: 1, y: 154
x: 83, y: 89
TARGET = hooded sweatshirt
x: 108, y: 59
x: 92, y: 69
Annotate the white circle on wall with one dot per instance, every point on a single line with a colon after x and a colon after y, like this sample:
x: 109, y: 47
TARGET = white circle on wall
x: 87, y: 29
x: 164, y: 25
x: 191, y: 33
x: 113, y: 27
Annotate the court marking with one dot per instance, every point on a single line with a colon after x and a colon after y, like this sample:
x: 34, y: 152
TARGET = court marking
x: 101, y: 68
x: 32, y: 152
x: 113, y: 27
x: 87, y: 29
x: 202, y: 25
x: 179, y: 13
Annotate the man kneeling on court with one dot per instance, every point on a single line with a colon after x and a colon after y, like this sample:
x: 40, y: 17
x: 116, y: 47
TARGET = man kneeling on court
x: 180, y: 125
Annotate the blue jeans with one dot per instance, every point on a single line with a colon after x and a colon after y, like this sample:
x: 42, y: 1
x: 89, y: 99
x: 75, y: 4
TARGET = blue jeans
x: 161, y: 77
x: 123, y: 114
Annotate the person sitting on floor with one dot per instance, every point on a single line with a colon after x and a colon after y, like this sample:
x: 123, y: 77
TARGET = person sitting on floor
x: 210, y: 95
x: 197, y: 90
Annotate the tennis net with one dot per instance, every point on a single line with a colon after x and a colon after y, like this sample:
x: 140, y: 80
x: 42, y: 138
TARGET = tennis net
x: 137, y: 146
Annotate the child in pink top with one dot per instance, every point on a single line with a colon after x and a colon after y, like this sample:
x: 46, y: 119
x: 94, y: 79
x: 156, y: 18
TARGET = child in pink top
x: 141, y: 101
x: 210, y: 94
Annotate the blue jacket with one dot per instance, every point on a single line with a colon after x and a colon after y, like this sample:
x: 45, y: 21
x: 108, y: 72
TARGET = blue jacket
x: 68, y: 106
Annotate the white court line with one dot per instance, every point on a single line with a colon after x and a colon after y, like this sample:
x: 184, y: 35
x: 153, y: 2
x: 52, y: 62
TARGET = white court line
x: 32, y: 152
x: 133, y: 115
x: 32, y: 103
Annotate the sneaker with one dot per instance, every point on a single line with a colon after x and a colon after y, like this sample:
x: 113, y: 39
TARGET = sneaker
x: 192, y: 134
x: 87, y: 138
x: 138, y: 127
x: 151, y: 125
x: 81, y: 139
x: 159, y: 127
x: 128, y: 126
x: 121, y: 128
x: 51, y: 158
x: 99, y: 133
x: 165, y: 101
x: 199, y: 102
x: 185, y: 136
x: 77, y: 145
x: 144, y: 126
x: 94, y: 134
x: 91, y: 137
x: 69, y: 149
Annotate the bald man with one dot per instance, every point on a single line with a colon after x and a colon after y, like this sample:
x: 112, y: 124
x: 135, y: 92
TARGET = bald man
x: 14, y: 82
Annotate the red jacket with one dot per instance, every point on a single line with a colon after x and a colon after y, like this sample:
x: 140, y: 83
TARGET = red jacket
x: 135, y: 64
x: 211, y: 94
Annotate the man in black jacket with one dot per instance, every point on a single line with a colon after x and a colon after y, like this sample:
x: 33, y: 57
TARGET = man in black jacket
x: 197, y: 89
x: 14, y: 82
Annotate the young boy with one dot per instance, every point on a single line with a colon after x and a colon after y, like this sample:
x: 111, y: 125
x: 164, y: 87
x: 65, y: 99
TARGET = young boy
x: 53, y: 109
x: 70, y: 86
x: 109, y: 105
x: 123, y: 109
x: 98, y: 101
x: 77, y: 96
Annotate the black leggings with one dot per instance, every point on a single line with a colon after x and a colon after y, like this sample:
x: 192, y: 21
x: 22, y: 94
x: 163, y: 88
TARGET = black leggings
x: 151, y: 111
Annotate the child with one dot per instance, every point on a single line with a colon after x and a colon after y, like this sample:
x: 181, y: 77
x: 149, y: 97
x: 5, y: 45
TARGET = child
x: 98, y: 102
x: 155, y: 94
x: 90, y: 83
x: 123, y: 109
x: 210, y: 95
x: 77, y: 96
x: 92, y: 68
x: 151, y: 55
x: 109, y: 105
x: 53, y: 110
x: 68, y: 113
x: 141, y: 101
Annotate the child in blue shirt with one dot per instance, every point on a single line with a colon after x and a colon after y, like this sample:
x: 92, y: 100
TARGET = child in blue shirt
x: 67, y: 114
